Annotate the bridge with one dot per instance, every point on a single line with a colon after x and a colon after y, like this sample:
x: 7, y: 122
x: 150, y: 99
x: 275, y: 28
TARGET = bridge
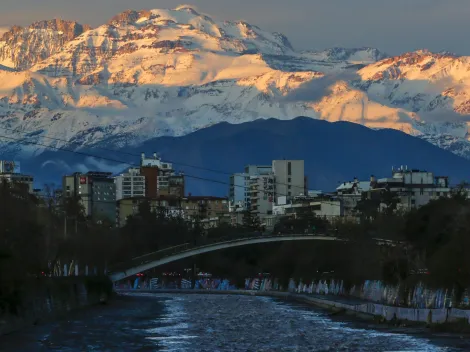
x: 186, y: 250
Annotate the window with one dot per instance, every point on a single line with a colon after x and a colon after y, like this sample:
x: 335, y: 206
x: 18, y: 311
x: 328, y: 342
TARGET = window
x: 289, y: 187
x: 289, y: 168
x: 289, y: 180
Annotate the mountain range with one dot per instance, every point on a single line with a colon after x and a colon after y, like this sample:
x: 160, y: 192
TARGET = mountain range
x: 154, y: 73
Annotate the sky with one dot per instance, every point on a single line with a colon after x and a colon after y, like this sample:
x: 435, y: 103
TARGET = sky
x: 393, y: 26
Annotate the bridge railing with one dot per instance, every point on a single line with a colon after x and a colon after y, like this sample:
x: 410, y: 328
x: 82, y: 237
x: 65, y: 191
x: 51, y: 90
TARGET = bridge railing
x: 166, y: 252
x: 198, y: 243
x: 150, y: 257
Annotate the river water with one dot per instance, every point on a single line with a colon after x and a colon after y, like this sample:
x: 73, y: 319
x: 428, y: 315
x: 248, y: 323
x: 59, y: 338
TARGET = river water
x: 198, y: 322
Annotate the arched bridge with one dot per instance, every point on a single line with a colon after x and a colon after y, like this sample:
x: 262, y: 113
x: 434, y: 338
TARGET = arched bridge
x: 168, y: 255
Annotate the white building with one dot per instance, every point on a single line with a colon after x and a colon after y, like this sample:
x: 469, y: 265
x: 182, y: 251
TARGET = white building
x: 261, y: 195
x: 290, y: 178
x: 327, y: 208
x: 350, y: 193
x: 130, y: 184
x: 239, y: 193
x: 414, y: 188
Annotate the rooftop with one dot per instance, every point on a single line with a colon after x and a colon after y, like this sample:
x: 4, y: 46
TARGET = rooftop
x: 362, y: 185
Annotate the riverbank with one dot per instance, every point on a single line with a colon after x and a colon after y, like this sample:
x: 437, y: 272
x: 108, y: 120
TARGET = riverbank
x: 35, y: 301
x: 437, y: 320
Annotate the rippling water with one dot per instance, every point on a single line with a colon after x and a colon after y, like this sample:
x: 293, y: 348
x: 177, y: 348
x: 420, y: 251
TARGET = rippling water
x: 149, y: 322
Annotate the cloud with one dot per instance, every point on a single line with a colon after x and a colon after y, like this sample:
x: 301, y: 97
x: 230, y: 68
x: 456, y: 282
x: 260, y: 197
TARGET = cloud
x: 97, y: 164
x: 89, y: 164
x: 59, y: 163
x: 182, y: 6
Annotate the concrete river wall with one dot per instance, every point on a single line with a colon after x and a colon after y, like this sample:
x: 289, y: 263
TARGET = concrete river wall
x: 29, y: 302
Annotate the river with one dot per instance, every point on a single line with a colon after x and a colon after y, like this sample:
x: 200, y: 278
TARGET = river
x: 198, y: 322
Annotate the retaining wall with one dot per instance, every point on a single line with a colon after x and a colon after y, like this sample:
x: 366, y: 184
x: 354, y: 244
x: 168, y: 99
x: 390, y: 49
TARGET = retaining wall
x: 35, y: 300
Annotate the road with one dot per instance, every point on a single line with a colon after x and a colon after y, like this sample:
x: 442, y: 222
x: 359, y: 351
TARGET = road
x: 198, y: 322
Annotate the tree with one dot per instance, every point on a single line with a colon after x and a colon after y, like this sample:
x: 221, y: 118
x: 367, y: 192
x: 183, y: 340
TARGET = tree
x: 22, y: 236
x: 247, y: 220
x: 250, y: 222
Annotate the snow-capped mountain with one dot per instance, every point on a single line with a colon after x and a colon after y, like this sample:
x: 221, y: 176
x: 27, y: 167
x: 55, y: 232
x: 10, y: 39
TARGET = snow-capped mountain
x: 161, y: 72
x: 21, y: 48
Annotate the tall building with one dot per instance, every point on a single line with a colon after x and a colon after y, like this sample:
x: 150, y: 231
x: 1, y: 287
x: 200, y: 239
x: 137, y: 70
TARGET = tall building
x: 97, y: 192
x: 240, y: 183
x: 238, y: 194
x: 175, y: 186
x: 160, y: 178
x: 290, y: 178
x: 260, y: 186
x: 261, y: 195
x: 130, y: 184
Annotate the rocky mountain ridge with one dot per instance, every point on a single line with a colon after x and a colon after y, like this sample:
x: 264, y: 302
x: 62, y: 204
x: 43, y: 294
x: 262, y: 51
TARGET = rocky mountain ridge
x: 160, y: 72
x: 21, y: 48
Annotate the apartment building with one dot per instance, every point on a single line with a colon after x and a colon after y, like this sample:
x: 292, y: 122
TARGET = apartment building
x: 350, y: 193
x: 130, y: 206
x: 262, y: 195
x: 239, y: 193
x: 160, y: 178
x: 413, y: 187
x: 290, y: 178
x: 130, y: 184
x: 97, y: 192
x: 204, y: 207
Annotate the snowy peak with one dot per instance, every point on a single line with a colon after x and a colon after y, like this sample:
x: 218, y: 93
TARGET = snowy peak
x: 162, y: 72
x: 172, y: 47
x: 21, y: 48
x: 128, y: 17
x: 437, y: 85
x: 251, y: 38
x: 353, y: 55
x: 418, y: 64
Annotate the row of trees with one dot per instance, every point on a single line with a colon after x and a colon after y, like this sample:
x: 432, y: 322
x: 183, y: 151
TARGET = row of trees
x: 435, y: 236
x: 428, y: 244
x: 38, y: 237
